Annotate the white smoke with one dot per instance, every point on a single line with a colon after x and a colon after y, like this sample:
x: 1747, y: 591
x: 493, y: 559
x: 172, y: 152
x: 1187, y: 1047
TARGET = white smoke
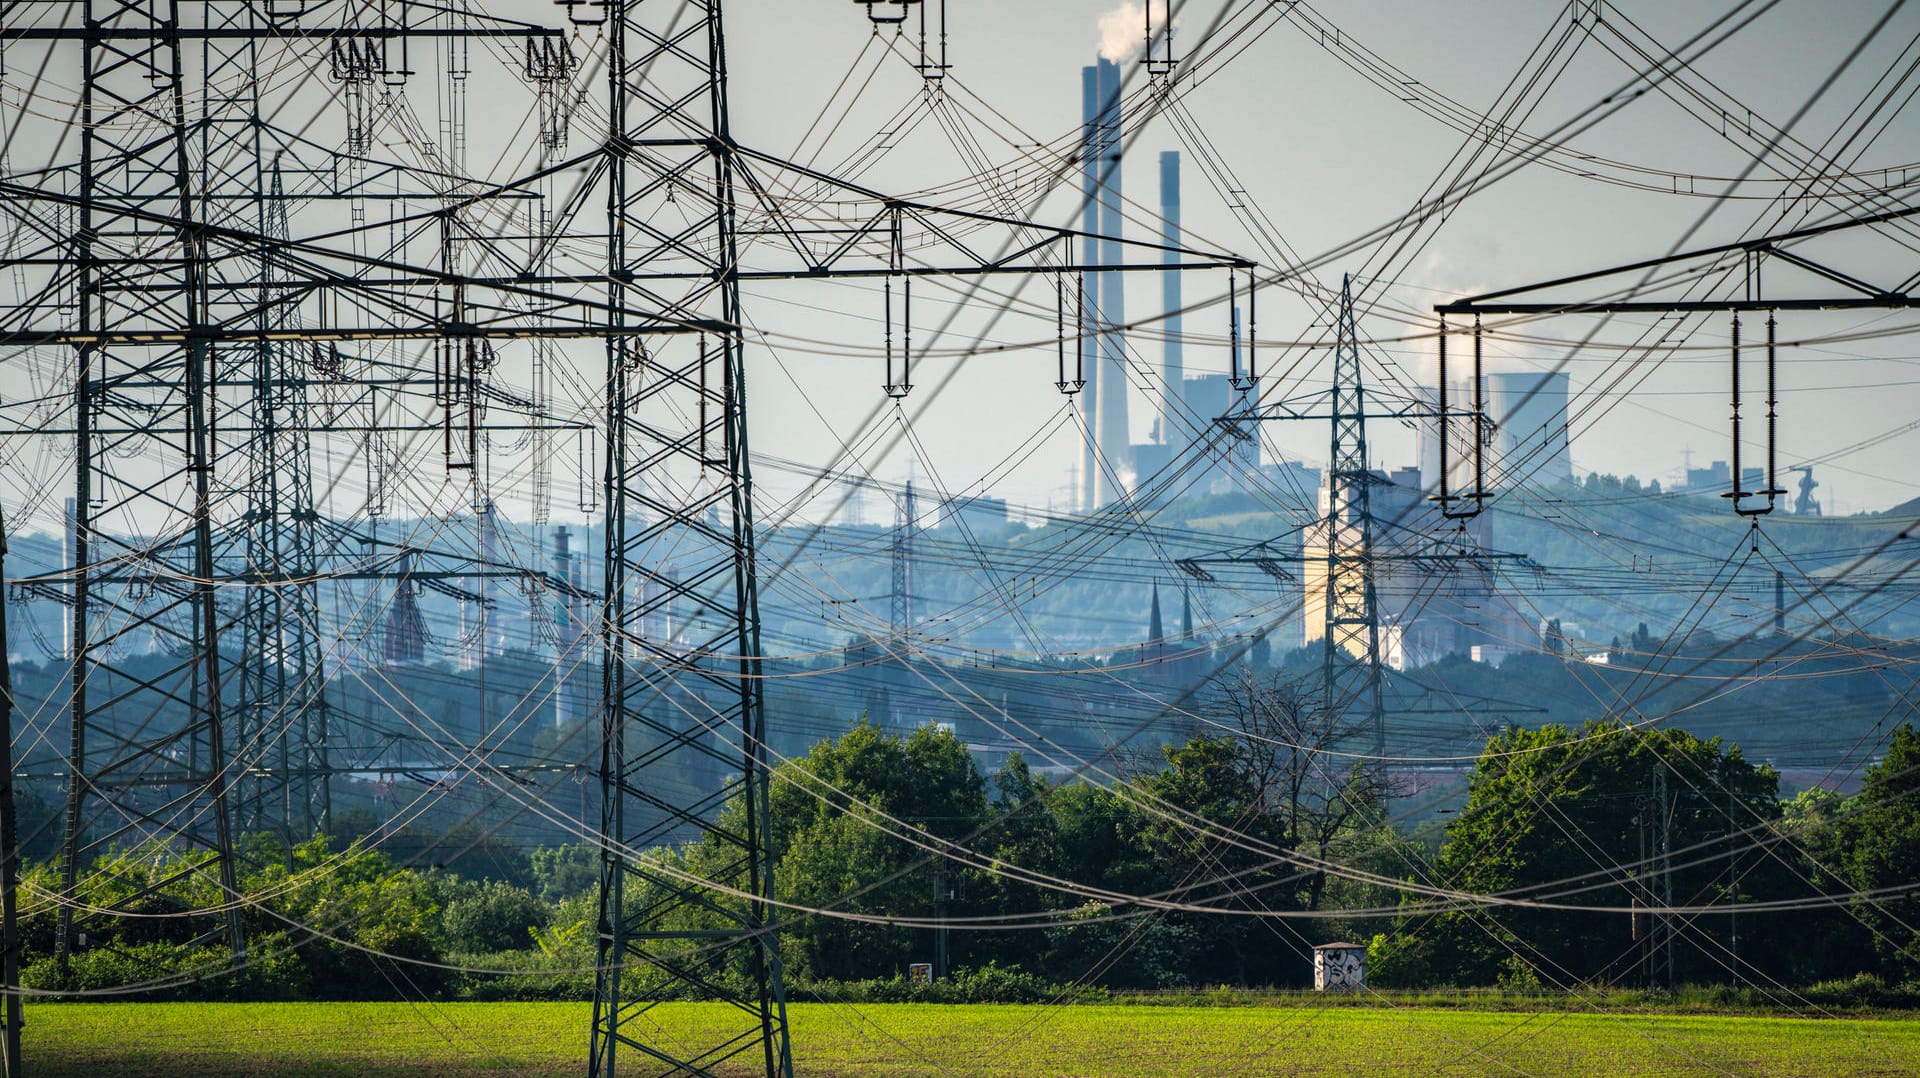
x: 1123, y: 31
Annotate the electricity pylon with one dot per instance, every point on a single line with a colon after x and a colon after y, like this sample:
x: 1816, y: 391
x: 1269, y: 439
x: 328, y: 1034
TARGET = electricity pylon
x: 148, y: 732
x: 283, y: 715
x: 684, y: 731
x: 155, y: 248
x: 200, y: 319
x: 1350, y: 658
x: 683, y: 722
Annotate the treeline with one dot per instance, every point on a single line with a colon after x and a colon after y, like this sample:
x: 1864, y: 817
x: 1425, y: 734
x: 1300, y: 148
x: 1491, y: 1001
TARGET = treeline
x: 1617, y: 855
x: 1603, y: 855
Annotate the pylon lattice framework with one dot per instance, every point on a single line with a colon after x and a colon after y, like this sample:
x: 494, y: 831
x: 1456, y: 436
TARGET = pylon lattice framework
x: 202, y: 319
x: 1351, y: 648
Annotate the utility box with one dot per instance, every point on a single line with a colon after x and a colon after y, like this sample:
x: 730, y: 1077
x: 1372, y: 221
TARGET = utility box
x: 1339, y: 967
x: 920, y: 972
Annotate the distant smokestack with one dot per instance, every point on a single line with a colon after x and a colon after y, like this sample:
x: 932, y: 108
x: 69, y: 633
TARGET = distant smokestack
x: 1090, y: 158
x: 1173, y: 373
x: 1113, y: 437
x: 69, y: 550
x: 566, y: 630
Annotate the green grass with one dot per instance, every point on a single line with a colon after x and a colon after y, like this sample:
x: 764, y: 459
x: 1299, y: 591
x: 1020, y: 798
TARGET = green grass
x: 374, y: 1040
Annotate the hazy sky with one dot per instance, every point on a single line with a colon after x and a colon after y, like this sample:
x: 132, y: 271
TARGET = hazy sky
x: 1271, y: 116
x: 1326, y: 156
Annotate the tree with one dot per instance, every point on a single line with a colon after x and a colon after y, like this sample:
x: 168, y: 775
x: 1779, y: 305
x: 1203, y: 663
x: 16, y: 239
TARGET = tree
x: 1291, y: 745
x: 562, y: 872
x: 355, y: 898
x: 492, y: 916
x: 1882, y: 834
x: 1609, y: 815
x: 1025, y: 833
x: 855, y: 826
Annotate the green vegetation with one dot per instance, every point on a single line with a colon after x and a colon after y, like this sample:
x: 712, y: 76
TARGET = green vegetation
x: 1235, y: 829
x: 1609, y: 817
x: 1295, y: 1036
x: 482, y: 965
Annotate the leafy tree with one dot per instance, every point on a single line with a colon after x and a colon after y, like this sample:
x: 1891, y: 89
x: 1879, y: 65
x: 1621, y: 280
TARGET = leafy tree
x: 1136, y: 949
x: 1024, y: 833
x: 846, y: 862
x: 346, y: 909
x: 493, y: 916
x: 1882, y: 834
x: 836, y: 812
x: 1578, y: 817
x: 561, y: 872
x: 1103, y: 839
x: 1208, y: 831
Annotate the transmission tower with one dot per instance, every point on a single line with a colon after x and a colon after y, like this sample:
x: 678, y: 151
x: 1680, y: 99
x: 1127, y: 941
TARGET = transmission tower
x: 156, y: 249
x: 218, y: 341
x: 1350, y: 662
x: 670, y: 153
x: 1746, y: 277
x: 901, y: 594
x: 283, y: 714
x: 155, y: 723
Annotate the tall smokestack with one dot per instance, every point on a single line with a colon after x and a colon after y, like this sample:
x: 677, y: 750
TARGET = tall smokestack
x: 1090, y: 157
x: 1114, y: 439
x: 69, y: 549
x: 1173, y: 363
x: 566, y: 631
x: 493, y: 640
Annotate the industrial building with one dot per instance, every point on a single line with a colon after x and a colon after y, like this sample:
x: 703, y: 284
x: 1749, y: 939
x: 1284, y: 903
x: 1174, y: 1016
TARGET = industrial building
x: 1434, y: 585
x: 1526, y: 432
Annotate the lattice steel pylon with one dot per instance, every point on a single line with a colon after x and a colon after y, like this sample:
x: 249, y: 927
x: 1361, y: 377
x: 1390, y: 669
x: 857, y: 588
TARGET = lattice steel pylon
x: 282, y: 716
x: 1350, y: 661
x: 203, y: 316
x: 900, y: 594
x: 148, y: 731
x: 683, y: 723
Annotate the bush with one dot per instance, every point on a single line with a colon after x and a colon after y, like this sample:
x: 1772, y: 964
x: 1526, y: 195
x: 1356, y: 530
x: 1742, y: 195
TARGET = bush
x: 994, y: 983
x: 160, y: 970
x: 991, y: 983
x: 1401, y: 960
x: 536, y: 977
x: 164, y: 971
x: 492, y: 917
x: 563, y: 872
x: 1518, y: 977
x: 1864, y: 990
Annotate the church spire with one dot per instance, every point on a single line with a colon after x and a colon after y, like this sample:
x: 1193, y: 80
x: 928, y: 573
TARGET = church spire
x: 1155, y: 634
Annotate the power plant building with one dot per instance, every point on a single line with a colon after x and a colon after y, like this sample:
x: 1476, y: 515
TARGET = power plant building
x: 1526, y: 434
x: 1434, y: 597
x: 1529, y: 411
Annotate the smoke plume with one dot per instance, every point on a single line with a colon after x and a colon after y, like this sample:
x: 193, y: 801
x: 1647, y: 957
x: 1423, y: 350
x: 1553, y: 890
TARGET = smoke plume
x: 1123, y: 31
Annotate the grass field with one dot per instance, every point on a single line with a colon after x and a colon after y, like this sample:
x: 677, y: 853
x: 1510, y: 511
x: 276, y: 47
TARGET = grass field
x: 374, y: 1040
